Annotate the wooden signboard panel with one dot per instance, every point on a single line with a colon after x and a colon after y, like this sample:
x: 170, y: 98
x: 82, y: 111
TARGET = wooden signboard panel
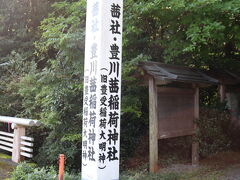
x: 175, y: 112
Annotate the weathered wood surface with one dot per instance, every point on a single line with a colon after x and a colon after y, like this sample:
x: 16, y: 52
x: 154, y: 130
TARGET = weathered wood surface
x: 153, y: 127
x: 167, y: 72
x: 195, y: 145
x: 222, y: 92
x: 175, y: 112
x: 16, y: 153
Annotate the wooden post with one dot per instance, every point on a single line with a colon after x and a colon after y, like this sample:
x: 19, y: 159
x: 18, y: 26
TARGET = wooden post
x: 61, y: 167
x: 18, y: 132
x: 222, y: 91
x: 195, y: 145
x: 153, y: 127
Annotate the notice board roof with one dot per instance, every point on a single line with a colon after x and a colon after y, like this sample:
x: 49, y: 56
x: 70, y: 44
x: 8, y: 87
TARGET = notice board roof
x: 225, y: 76
x: 167, y: 72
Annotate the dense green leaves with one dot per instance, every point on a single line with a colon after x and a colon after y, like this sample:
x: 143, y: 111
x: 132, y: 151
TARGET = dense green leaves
x: 200, y: 33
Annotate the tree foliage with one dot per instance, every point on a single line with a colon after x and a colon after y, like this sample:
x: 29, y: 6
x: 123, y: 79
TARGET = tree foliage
x: 191, y: 32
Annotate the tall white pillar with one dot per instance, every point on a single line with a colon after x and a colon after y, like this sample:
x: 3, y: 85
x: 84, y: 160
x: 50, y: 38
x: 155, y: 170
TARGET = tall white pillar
x: 102, y: 90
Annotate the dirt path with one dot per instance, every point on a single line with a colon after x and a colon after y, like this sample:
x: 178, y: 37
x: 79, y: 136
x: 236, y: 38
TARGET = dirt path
x: 232, y: 173
x: 222, y: 166
x: 6, y: 166
x: 226, y: 163
x: 4, y: 174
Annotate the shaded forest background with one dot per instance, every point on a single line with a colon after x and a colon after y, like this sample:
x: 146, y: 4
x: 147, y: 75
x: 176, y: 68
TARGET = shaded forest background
x: 42, y: 56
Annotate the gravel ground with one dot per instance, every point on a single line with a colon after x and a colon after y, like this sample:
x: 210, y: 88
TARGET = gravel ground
x: 4, y: 174
x: 232, y: 173
x: 6, y: 167
x: 221, y: 166
x: 203, y: 172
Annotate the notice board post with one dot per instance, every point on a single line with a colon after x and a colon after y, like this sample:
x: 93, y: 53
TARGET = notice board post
x: 153, y: 126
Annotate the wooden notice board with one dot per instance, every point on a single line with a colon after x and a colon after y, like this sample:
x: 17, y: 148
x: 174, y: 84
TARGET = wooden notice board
x: 175, y: 112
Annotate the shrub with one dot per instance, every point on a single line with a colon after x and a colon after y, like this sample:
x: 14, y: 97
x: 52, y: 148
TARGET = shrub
x: 213, y: 131
x: 21, y: 171
x: 72, y: 176
x: 26, y: 171
x: 42, y: 174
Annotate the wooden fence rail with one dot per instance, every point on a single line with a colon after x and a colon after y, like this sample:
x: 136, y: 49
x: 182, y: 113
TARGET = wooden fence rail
x: 6, y: 141
x: 17, y: 143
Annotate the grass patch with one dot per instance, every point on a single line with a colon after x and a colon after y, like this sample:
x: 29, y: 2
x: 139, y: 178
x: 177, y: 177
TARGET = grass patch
x: 149, y: 176
x: 5, y: 156
x: 202, y: 173
x: 205, y: 173
x: 5, y: 170
x: 4, y: 165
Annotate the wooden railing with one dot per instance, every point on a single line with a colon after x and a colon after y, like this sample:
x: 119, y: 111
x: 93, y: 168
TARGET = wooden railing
x: 6, y: 141
x: 17, y: 143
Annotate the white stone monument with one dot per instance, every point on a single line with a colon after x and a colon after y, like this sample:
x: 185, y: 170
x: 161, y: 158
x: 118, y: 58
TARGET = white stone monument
x: 102, y: 90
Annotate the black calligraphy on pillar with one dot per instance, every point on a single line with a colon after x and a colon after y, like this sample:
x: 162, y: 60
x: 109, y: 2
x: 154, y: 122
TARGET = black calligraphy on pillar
x: 104, y: 78
x: 85, y: 119
x: 91, y: 154
x: 85, y: 100
x: 91, y: 136
x: 86, y: 89
x: 90, y: 123
x: 93, y: 67
x: 103, y: 123
x: 113, y: 102
x: 92, y: 119
x: 102, y: 146
x: 93, y: 101
x: 114, y: 68
x: 114, y: 51
x: 93, y: 84
x: 84, y: 154
x: 113, y: 85
x: 94, y: 116
x: 103, y: 116
x: 112, y: 154
x: 112, y: 136
x: 84, y: 144
x: 103, y: 112
x: 102, y: 135
x: 102, y: 157
x: 115, y: 10
x: 104, y: 89
x: 85, y: 132
x: 113, y: 119
x: 115, y: 27
x: 103, y: 101
x: 85, y: 111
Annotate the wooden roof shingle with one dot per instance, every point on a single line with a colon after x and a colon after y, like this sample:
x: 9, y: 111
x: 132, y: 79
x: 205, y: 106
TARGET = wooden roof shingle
x: 167, y: 72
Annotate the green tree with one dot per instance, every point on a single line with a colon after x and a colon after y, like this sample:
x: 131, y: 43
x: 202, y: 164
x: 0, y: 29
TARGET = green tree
x: 192, y: 32
x: 19, y: 22
x: 60, y: 50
